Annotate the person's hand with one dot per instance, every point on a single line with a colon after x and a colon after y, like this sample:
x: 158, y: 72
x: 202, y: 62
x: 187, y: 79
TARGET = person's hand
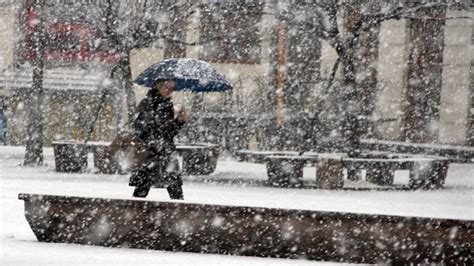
x: 182, y: 115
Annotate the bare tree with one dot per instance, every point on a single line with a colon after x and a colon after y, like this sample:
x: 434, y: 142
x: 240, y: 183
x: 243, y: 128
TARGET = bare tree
x: 131, y: 26
x: 325, y: 15
x: 123, y: 25
x: 126, y: 27
x: 33, y: 103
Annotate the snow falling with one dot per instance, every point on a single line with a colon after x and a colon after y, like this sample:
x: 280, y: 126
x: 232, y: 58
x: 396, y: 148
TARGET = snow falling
x: 236, y: 132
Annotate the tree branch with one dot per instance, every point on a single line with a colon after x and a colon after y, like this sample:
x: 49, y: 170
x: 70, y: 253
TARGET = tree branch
x: 333, y: 73
x: 373, y: 19
x: 397, y: 12
x: 430, y: 18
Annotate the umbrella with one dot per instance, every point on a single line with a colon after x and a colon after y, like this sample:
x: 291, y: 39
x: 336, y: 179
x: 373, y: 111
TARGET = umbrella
x: 189, y: 74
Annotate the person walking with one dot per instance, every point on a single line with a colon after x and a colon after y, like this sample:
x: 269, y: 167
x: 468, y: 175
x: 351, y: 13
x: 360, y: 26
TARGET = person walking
x: 156, y: 125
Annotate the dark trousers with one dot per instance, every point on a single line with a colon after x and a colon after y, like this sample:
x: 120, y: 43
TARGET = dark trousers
x: 158, y: 171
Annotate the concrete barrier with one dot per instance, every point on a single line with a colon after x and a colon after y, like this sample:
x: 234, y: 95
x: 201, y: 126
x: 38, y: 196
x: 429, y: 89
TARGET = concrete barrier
x: 284, y: 233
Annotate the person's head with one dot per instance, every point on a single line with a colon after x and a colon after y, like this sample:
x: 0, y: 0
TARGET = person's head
x: 165, y: 87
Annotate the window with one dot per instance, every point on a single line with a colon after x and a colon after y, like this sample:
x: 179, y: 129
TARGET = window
x: 230, y: 32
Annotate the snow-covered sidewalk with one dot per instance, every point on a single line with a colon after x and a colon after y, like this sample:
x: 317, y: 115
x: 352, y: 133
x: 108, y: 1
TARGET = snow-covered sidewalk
x: 233, y: 183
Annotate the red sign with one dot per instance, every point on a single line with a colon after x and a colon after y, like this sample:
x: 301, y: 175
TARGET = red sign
x: 68, y: 38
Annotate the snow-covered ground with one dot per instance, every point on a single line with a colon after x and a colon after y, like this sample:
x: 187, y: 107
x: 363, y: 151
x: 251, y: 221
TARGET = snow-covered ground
x: 233, y: 183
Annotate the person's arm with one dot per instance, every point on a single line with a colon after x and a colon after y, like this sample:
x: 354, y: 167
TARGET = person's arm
x: 170, y: 127
x: 173, y: 126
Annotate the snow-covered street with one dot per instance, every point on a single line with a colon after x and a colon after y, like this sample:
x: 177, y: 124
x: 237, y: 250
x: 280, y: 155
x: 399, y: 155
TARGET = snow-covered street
x: 233, y: 183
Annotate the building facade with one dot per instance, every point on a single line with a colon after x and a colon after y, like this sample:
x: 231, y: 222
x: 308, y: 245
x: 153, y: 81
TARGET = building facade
x: 414, y: 74
x: 74, y: 83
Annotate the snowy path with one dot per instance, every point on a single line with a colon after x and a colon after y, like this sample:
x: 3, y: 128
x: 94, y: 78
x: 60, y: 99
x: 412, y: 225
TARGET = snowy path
x: 18, y: 244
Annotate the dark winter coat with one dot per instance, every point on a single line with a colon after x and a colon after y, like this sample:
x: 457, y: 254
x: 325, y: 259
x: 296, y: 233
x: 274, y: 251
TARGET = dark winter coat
x: 155, y: 124
x: 156, y: 127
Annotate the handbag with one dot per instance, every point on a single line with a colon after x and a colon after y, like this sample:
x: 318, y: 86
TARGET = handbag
x: 134, y: 148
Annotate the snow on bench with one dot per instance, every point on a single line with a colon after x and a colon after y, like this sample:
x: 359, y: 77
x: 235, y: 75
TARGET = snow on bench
x: 455, y: 153
x: 259, y: 156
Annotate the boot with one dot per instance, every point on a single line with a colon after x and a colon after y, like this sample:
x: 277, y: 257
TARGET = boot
x: 141, y: 192
x: 175, y: 191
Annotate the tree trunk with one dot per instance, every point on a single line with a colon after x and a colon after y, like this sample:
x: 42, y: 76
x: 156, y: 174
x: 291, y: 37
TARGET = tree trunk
x: 123, y: 74
x: 367, y: 56
x: 34, y: 142
x: 351, y: 125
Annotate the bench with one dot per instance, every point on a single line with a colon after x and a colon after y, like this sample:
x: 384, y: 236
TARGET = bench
x: 199, y: 159
x: 287, y: 170
x: 426, y: 172
x: 71, y: 156
x: 455, y: 153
